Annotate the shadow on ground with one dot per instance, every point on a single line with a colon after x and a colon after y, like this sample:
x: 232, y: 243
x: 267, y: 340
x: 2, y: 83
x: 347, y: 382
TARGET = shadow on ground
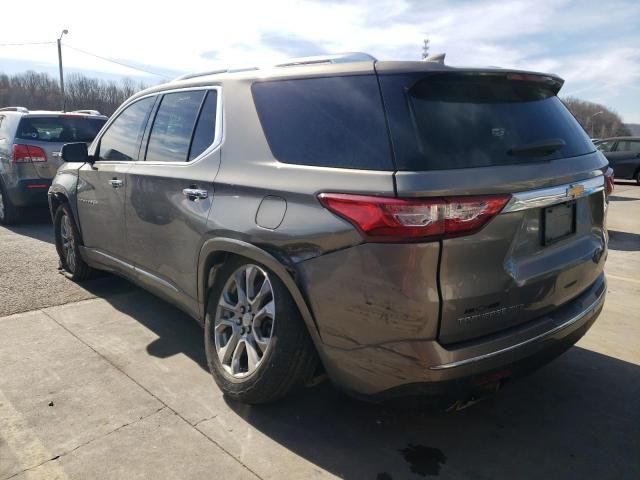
x: 575, y: 418
x: 624, y: 241
x: 35, y: 223
x: 617, y: 198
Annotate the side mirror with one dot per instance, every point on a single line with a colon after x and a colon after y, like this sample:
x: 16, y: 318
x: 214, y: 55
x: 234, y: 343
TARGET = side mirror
x: 75, y: 152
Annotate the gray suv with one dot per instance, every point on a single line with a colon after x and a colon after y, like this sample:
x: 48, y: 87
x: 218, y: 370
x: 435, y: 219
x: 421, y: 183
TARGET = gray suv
x: 409, y: 227
x: 30, y: 144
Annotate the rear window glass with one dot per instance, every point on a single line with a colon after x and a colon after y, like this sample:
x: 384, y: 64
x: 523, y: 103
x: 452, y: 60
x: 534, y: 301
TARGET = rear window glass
x: 329, y: 122
x: 59, y: 128
x: 449, y: 121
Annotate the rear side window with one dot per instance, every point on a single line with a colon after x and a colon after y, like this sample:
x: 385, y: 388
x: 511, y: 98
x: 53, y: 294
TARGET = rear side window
x: 449, y: 121
x: 121, y: 141
x: 328, y: 122
x: 59, y: 128
x: 206, y: 127
x: 173, y: 126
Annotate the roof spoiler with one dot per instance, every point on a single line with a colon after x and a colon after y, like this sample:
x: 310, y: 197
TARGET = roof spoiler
x: 438, y: 58
x: 15, y: 109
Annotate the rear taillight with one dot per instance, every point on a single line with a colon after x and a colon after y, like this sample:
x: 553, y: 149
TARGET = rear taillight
x: 609, y: 180
x: 27, y: 154
x: 383, y: 219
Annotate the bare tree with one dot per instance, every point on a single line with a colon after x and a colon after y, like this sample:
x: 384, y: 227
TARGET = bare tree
x: 597, y: 120
x: 40, y: 91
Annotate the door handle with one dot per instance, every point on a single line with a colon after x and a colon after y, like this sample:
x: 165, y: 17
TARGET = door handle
x: 195, y: 193
x: 115, y: 183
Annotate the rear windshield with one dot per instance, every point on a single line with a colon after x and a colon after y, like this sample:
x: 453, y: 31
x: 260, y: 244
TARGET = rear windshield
x: 59, y: 128
x: 328, y: 122
x: 449, y: 121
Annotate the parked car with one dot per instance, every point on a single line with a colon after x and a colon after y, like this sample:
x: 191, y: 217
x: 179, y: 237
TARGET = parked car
x: 623, y: 154
x: 418, y: 228
x: 30, y: 144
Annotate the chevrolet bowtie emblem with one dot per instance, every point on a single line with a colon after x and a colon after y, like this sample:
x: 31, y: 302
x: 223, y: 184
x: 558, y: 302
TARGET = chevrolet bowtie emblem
x: 575, y: 191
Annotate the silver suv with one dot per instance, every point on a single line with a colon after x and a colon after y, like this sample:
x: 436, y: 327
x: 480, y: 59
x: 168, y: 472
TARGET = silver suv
x: 419, y: 229
x: 30, y: 144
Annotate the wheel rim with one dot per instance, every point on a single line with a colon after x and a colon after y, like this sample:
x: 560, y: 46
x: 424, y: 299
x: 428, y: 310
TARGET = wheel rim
x: 1, y: 206
x: 68, y: 243
x: 244, y: 321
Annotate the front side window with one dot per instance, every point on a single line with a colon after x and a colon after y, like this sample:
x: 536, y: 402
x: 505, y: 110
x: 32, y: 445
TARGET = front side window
x: 121, y: 141
x: 173, y: 126
x: 605, y: 146
x: 629, y: 146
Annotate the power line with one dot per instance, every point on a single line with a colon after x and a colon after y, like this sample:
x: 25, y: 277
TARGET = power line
x: 25, y: 43
x: 115, y: 61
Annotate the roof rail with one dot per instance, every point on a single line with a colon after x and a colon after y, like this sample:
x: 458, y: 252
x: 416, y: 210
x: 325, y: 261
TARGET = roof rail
x: 347, y: 57
x: 200, y: 74
x: 15, y: 109
x: 87, y: 112
x: 319, y: 59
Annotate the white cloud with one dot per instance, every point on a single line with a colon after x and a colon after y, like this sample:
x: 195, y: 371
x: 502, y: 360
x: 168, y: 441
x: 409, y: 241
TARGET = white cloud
x: 175, y: 36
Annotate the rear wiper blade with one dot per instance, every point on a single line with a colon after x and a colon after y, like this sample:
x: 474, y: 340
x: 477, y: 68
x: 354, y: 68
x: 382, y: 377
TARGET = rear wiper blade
x: 542, y: 147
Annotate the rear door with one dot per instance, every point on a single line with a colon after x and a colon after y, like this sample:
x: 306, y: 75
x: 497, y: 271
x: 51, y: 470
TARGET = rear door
x: 469, y: 137
x: 170, y: 193
x: 625, y: 159
x: 51, y: 132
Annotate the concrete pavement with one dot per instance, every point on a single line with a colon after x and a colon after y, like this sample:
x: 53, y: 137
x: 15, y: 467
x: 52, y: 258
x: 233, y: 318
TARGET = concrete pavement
x: 116, y: 386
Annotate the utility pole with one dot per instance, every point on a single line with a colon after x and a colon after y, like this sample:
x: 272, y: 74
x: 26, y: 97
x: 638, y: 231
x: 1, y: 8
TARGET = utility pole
x: 64, y: 103
x: 425, y: 49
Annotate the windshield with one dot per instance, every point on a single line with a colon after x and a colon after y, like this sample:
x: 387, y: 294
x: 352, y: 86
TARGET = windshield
x: 59, y: 128
x: 461, y: 121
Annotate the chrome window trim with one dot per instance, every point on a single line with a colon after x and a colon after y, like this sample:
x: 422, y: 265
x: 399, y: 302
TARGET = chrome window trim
x: 597, y: 303
x: 217, y: 136
x: 546, y: 197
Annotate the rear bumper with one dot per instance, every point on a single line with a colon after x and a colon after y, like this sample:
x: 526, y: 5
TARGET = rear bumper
x: 428, y: 368
x: 27, y: 193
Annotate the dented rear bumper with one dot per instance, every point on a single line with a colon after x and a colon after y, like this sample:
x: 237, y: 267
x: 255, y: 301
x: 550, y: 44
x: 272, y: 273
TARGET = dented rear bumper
x: 426, y: 367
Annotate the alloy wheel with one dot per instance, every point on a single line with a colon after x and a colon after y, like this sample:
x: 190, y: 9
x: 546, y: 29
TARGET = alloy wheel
x: 68, y: 243
x: 2, y: 207
x: 244, y: 321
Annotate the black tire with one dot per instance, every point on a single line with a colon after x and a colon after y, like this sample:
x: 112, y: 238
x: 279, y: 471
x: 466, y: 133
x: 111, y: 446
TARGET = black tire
x: 638, y: 177
x: 290, y: 358
x: 68, y: 242
x: 9, y: 213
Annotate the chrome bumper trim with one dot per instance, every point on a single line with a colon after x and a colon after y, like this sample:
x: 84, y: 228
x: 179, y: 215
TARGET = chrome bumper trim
x: 545, y: 197
x: 596, y: 304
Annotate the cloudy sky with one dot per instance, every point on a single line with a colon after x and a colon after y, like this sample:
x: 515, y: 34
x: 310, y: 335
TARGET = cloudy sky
x: 594, y: 45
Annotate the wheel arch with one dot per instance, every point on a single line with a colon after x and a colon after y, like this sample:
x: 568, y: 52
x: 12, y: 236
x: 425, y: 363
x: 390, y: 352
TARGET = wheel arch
x: 215, y: 251
x: 63, y: 190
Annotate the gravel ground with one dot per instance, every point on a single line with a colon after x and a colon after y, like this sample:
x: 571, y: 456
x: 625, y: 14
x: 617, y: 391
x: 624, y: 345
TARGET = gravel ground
x: 29, y: 263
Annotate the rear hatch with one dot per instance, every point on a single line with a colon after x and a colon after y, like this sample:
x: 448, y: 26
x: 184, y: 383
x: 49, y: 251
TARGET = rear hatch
x: 505, y: 137
x: 48, y: 133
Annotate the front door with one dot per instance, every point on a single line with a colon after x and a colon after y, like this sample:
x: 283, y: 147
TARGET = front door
x: 102, y: 185
x: 171, y: 192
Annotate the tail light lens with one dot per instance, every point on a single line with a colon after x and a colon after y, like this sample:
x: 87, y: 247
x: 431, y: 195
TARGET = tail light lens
x: 608, y: 180
x: 383, y: 219
x: 27, y: 154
